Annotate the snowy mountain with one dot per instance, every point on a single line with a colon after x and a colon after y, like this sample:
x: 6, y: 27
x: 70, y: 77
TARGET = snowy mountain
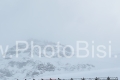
x: 26, y: 67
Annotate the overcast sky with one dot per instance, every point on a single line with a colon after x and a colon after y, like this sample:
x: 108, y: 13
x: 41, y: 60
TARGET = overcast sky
x: 60, y: 20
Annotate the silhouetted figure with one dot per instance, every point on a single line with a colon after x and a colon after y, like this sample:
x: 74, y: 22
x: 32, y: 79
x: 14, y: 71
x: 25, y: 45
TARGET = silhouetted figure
x: 58, y: 78
x: 83, y: 78
x: 41, y: 79
x: 33, y: 79
x: 96, y: 78
x: 50, y: 79
x: 71, y: 78
x: 108, y: 78
x: 117, y: 78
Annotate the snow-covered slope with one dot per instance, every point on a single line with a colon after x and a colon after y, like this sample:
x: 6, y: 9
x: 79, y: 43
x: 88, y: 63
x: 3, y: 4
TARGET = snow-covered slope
x: 26, y: 67
x: 112, y: 72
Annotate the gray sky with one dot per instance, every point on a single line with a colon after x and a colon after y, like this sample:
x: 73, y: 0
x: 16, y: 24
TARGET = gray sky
x: 60, y: 20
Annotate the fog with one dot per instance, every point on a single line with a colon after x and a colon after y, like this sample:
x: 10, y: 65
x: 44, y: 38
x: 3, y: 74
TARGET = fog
x: 66, y: 21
